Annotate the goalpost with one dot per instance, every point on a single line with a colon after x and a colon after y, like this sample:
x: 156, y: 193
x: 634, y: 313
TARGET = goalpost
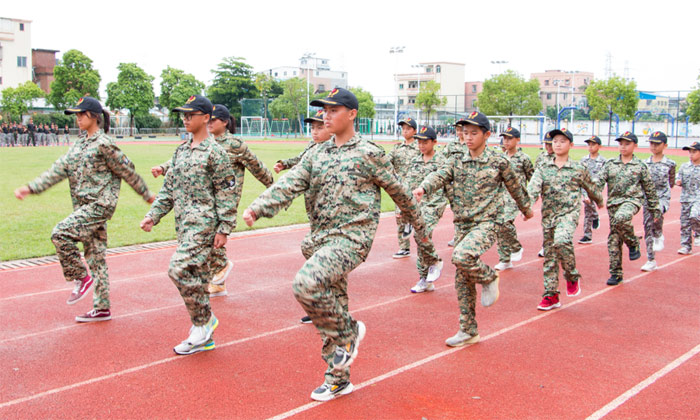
x: 254, y: 126
x: 532, y: 127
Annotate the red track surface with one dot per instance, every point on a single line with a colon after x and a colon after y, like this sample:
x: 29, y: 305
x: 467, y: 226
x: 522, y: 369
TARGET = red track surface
x: 571, y: 362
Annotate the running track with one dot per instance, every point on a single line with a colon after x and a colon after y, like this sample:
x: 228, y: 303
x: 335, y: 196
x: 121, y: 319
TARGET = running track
x: 618, y: 353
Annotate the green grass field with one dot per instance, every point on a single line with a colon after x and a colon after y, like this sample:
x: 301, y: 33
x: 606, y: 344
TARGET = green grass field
x: 26, y: 225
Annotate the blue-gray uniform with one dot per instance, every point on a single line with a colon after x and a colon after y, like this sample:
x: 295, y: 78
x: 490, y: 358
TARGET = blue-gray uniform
x: 590, y: 212
x: 689, y: 178
x: 663, y: 175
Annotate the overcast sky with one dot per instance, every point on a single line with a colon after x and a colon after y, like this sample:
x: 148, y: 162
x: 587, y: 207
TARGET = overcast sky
x: 656, y: 41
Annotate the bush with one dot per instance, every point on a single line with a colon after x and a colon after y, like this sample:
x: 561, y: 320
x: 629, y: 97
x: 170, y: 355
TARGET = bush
x: 41, y: 119
x: 61, y: 119
x: 147, y: 121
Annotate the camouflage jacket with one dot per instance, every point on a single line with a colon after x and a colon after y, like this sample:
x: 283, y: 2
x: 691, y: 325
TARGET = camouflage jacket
x: 288, y: 163
x: 628, y: 183
x: 689, y: 175
x: 418, y: 171
x: 401, y: 157
x: 342, y: 185
x: 544, y: 156
x: 560, y: 189
x: 477, y: 185
x: 522, y: 166
x: 593, y: 166
x: 200, y: 187
x: 663, y: 175
x: 453, y: 147
x: 94, y: 167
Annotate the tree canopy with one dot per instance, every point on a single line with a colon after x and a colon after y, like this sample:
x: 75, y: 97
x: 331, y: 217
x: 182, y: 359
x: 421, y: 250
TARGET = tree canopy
x: 365, y: 101
x: 176, y: 87
x: 615, y: 94
x: 133, y: 91
x: 693, y: 110
x: 292, y: 103
x: 509, y: 94
x: 74, y: 78
x: 429, y: 99
x: 16, y: 101
x: 233, y: 81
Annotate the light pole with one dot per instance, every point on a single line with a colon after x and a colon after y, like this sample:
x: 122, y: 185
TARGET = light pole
x: 307, y: 58
x: 420, y: 68
x: 396, y: 50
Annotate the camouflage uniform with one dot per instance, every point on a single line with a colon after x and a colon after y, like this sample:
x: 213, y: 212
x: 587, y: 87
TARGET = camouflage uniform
x: 507, y: 234
x: 200, y: 186
x: 289, y: 163
x: 451, y: 148
x: 433, y: 206
x: 590, y: 212
x: 561, y: 206
x: 628, y: 184
x: 663, y: 175
x: 689, y: 175
x: 95, y: 167
x: 401, y: 157
x: 542, y: 157
x: 342, y: 185
x: 478, y: 202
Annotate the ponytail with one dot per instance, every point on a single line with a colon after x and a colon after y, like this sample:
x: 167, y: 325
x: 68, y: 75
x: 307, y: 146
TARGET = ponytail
x: 231, y: 124
x: 102, y: 120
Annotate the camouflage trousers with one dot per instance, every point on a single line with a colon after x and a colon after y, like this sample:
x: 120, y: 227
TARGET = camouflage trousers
x: 621, y: 231
x: 508, y: 242
x: 87, y: 224
x: 431, y: 216
x: 217, y: 260
x: 590, y: 213
x: 404, y: 243
x: 189, y: 270
x: 559, y: 250
x: 450, y: 194
x: 320, y: 287
x: 690, y: 221
x: 653, y: 229
x: 473, y: 240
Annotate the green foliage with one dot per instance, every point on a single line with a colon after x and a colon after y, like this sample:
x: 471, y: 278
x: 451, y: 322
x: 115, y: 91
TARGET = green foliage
x: 147, y: 121
x: 74, y: 78
x: 616, y: 95
x: 509, y: 94
x: 366, y: 102
x: 133, y: 90
x: 16, y: 101
x: 233, y: 81
x: 579, y: 114
x: 41, y: 119
x: 62, y: 120
x: 176, y: 87
x: 292, y: 103
x: 693, y: 107
x: 428, y: 99
x: 269, y: 88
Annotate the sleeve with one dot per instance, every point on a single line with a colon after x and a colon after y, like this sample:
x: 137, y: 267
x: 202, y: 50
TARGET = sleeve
x: 672, y: 174
x: 288, y: 163
x: 281, y: 194
x: 224, y: 182
x: 164, y: 200
x: 589, y: 186
x: 528, y: 168
x: 121, y: 166
x: 534, y: 188
x: 440, y: 178
x: 516, y: 190
x: 57, y: 173
x: 166, y: 166
x: 255, y: 165
x: 602, y: 177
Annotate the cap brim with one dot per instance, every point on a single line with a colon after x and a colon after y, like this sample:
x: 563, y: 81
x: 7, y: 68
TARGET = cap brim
x: 183, y: 109
x: 310, y: 120
x: 322, y: 102
x: 690, y: 148
x: 626, y: 138
x: 421, y: 137
x: 591, y: 141
x: 656, y: 141
x: 69, y: 111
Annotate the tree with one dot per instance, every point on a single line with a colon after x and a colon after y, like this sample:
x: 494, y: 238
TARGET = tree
x: 614, y: 95
x: 176, y: 87
x: 133, y: 91
x: 16, y: 101
x: 292, y: 103
x: 268, y: 88
x: 428, y: 99
x: 693, y: 107
x: 509, y: 94
x: 74, y: 78
x: 233, y: 81
x: 366, y: 102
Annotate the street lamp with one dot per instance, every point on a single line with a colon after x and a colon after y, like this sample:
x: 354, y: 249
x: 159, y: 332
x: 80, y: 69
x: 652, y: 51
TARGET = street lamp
x: 307, y: 58
x: 396, y: 50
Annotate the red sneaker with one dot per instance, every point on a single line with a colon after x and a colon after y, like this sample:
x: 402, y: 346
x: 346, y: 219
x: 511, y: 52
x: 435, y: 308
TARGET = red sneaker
x: 549, y: 302
x: 80, y: 290
x: 573, y: 288
x: 95, y: 315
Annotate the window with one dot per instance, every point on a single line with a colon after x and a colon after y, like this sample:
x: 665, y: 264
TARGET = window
x: 411, y: 99
x: 321, y: 88
x: 400, y: 85
x: 564, y: 97
x: 546, y: 82
x: 285, y: 73
x: 295, y: 72
x: 413, y: 84
x: 21, y: 61
x: 21, y: 27
x: 276, y: 74
x: 549, y: 96
x: 568, y: 82
x: 401, y: 101
x: 0, y: 80
x: 473, y: 88
x: 437, y: 69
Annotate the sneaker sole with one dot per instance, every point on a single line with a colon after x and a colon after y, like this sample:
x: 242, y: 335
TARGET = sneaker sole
x: 398, y: 257
x: 549, y: 308
x: 306, y: 322
x: 361, y: 331
x: 575, y: 294
x: 649, y: 270
x: 224, y: 293
x: 516, y: 257
x: 105, y: 318
x: 347, y: 390
x: 223, y: 279
x: 73, y: 302
x: 503, y: 268
x: 498, y: 293
x: 475, y: 339
x: 422, y: 291
x: 585, y: 242
x: 210, y: 345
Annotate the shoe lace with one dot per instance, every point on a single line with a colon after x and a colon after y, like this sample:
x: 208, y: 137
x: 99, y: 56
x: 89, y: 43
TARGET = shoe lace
x: 78, y: 285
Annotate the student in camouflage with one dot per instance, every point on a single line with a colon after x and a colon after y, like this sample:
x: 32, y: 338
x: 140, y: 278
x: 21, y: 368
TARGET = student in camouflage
x: 546, y: 154
x: 222, y: 127
x: 628, y: 183
x: 593, y: 163
x: 689, y: 180
x: 663, y: 174
x: 200, y: 186
x: 454, y: 147
x: 95, y: 167
x: 509, y: 247
x: 319, y: 134
x: 560, y: 182
x: 401, y: 157
x: 341, y: 179
x: 478, y: 176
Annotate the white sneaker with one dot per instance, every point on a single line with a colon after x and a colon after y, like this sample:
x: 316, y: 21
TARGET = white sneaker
x: 452, y: 243
x: 503, y: 266
x: 220, y: 277
x: 461, y: 339
x: 658, y: 244
x: 649, y: 266
x: 422, y: 286
x: 684, y: 251
x: 489, y: 293
x: 541, y: 253
x: 199, y: 337
x: 517, y: 256
x: 697, y: 241
x: 434, y: 272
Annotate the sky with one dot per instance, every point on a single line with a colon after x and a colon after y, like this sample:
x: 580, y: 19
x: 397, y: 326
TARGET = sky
x: 655, y: 41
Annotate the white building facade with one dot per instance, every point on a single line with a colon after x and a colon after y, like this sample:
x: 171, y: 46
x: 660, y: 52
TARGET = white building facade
x: 15, y: 52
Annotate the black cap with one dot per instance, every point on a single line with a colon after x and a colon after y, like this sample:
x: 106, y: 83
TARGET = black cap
x: 594, y: 139
x: 196, y: 103
x: 563, y: 131
x: 220, y: 112
x: 628, y: 135
x: 475, y: 118
x: 658, y: 137
x: 318, y: 117
x: 426, y: 133
x: 338, y: 96
x: 409, y: 121
x: 86, y: 103
x: 694, y: 146
x: 511, y: 132
x: 547, y: 138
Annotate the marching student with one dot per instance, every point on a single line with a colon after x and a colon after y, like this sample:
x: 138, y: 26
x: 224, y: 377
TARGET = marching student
x: 546, y: 155
x: 689, y: 180
x: 593, y: 162
x: 457, y: 146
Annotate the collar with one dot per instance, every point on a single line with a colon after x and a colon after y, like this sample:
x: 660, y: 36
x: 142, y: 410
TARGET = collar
x: 201, y: 146
x: 485, y: 156
x: 354, y: 140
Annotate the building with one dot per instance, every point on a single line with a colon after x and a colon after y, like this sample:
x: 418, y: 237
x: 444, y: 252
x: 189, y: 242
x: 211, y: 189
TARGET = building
x: 471, y: 93
x: 654, y: 104
x: 15, y: 52
x: 320, y: 75
x: 43, y: 63
x: 563, y: 88
x: 450, y: 76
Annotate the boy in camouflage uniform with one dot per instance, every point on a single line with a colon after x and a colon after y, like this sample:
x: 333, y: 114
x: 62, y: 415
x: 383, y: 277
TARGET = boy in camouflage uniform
x: 628, y: 182
x: 509, y: 248
x: 401, y: 157
x: 546, y: 155
x: 200, y: 186
x: 478, y: 176
x: 663, y: 174
x: 689, y: 180
x: 341, y: 179
x: 95, y: 167
x: 593, y: 163
x: 456, y: 146
x: 560, y: 182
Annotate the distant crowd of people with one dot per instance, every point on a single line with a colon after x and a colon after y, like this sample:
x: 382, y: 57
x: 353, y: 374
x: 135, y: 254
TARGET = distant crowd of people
x: 14, y: 134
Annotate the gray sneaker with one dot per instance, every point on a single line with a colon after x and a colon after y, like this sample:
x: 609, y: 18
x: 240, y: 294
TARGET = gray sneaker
x: 345, y: 355
x: 422, y: 286
x: 452, y: 242
x: 462, y: 339
x: 489, y: 293
x: 434, y: 272
x: 327, y: 392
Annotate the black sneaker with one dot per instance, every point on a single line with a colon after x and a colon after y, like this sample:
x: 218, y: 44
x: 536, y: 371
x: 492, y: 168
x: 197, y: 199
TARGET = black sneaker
x: 614, y: 280
x: 327, y: 392
x: 585, y: 240
x: 634, y: 253
x: 402, y: 253
x: 596, y: 223
x: 306, y: 320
